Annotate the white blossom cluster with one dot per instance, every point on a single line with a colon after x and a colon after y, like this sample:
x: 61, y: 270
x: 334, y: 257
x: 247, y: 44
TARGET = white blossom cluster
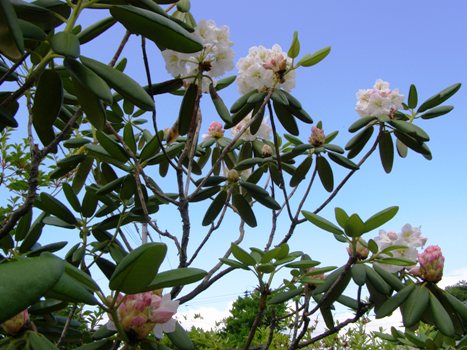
x: 263, y: 133
x: 214, y: 60
x: 411, y: 237
x: 378, y: 101
x: 262, y: 68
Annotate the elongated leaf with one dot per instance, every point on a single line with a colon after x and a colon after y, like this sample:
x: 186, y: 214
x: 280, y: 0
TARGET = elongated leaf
x: 341, y: 216
x: 260, y: 195
x: 386, y: 151
x: 394, y: 302
x: 389, y: 277
x: 377, y: 281
x: 91, y: 105
x: 176, y: 277
x: 55, y: 207
x: 66, y: 44
x: 360, y: 123
x: 215, y: 208
x: 436, y: 112
x: 237, y: 106
x: 380, y: 218
x: 112, y: 147
x: 90, y: 80
x: 11, y: 37
x: 54, y: 221
x: 322, y: 223
x: 342, y: 161
x: 33, y: 234
x: 38, y: 275
x: 284, y: 296
x: 410, y: 129
x: 310, y: 60
x: 415, y: 305
x: 69, y: 289
x: 47, y: 105
x: 301, y: 172
x: 219, y: 104
x: 82, y: 174
x: 23, y: 226
x: 325, y: 173
x: 413, y: 97
x: 414, y: 144
x: 38, y: 341
x: 356, y: 143
x: 354, y: 226
x: 358, y: 272
x: 234, y: 263
x: 137, y: 270
x: 151, y: 148
x: 303, y: 264
x: 244, y: 209
x: 160, y: 29
x: 187, y: 109
x: 96, y: 29
x: 441, y: 317
x: 122, y: 83
x: 180, y: 338
x: 439, y: 98
x: 242, y: 256
x: 294, y: 49
x: 286, y: 118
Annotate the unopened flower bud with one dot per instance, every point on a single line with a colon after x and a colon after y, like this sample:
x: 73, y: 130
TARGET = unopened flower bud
x: 233, y: 176
x: 317, y: 137
x: 431, y: 264
x: 14, y: 325
x: 215, y: 130
x: 361, y: 250
x: 266, y: 150
x: 312, y: 278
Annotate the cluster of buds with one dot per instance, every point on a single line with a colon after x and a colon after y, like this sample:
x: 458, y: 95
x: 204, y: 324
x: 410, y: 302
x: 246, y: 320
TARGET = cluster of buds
x: 16, y: 324
x: 215, y: 132
x: 317, y: 137
x: 141, y: 313
x: 431, y: 263
x: 361, y: 250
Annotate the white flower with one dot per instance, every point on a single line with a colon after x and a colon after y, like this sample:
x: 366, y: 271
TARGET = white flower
x: 378, y: 101
x: 410, y: 237
x: 264, y: 131
x: 214, y: 59
x: 262, y: 68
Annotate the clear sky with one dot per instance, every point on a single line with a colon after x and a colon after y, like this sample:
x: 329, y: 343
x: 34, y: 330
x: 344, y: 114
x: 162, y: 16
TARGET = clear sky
x: 403, y: 42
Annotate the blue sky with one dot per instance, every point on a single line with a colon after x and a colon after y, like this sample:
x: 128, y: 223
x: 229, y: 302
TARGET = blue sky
x: 403, y: 42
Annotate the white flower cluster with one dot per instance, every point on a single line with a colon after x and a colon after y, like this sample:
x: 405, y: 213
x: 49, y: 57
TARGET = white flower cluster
x: 411, y: 237
x: 378, y: 101
x: 262, y: 68
x: 215, y: 59
x: 264, y: 131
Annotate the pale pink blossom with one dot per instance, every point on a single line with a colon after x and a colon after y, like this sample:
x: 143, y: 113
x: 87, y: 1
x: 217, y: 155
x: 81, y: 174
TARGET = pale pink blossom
x: 431, y: 263
x: 215, y: 131
x: 317, y: 137
x: 378, y: 101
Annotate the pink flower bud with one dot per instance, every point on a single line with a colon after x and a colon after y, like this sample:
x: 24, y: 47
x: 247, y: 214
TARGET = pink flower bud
x: 276, y: 63
x: 215, y: 130
x: 317, y: 137
x: 431, y: 264
x: 14, y: 325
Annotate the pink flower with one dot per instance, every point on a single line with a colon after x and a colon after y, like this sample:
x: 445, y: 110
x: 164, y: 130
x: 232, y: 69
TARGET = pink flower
x: 141, y: 313
x: 317, y: 137
x: 215, y: 131
x: 431, y: 264
x: 14, y: 325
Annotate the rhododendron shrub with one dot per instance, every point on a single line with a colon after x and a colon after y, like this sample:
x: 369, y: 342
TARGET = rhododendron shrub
x: 101, y: 163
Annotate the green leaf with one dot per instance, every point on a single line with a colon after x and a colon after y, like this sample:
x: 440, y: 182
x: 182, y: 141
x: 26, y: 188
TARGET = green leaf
x: 301, y: 172
x: 380, y: 218
x: 395, y: 301
x: 413, y: 97
x: 414, y: 144
x: 219, y: 104
x: 180, y: 338
x: 457, y: 305
x: 11, y: 37
x: 96, y: 29
x: 325, y: 173
x: 129, y: 137
x: 112, y: 147
x: 342, y: 161
x: 244, y: 209
x: 69, y: 289
x: 294, y: 49
x: 354, y: 226
x: 286, y: 118
x: 356, y: 143
x: 441, y: 317
x: 82, y: 174
x: 279, y: 298
x: 47, y: 105
x: 439, y: 98
x: 55, y: 207
x: 266, y: 268
x: 137, y: 270
x: 310, y: 60
x: 397, y: 261
x: 360, y: 123
x: 38, y: 275
x: 389, y: 277
x: 436, y: 112
x: 410, y: 129
x: 122, y: 83
x: 377, y: 281
x: 240, y: 103
x: 415, y: 305
x: 33, y: 234
x: 223, y: 83
x: 102, y: 344
x: 176, y: 277
x: 303, y: 264
x: 401, y: 149
x: 23, y: 226
x: 90, y: 80
x: 358, y: 272
x: 322, y: 223
x: 215, y: 208
x: 38, y: 341
x: 54, y: 221
x: 187, y: 109
x: 260, y: 195
x: 90, y: 104
x: 341, y: 216
x: 386, y: 151
x: 65, y: 44
x: 160, y: 29
x: 234, y: 264
x: 151, y: 148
